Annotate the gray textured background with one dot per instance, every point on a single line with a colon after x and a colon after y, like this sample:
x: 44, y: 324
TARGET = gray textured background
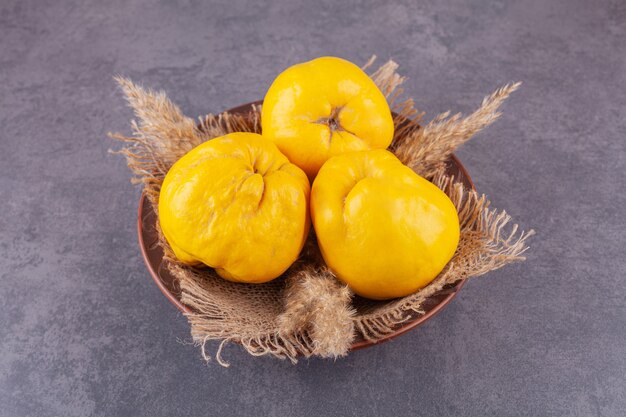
x: 84, y: 331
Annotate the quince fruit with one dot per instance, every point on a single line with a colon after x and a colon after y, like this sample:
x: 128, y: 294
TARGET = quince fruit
x: 322, y: 108
x: 384, y: 230
x: 235, y: 203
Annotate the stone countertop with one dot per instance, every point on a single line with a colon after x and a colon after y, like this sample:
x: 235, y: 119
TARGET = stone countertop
x: 83, y: 329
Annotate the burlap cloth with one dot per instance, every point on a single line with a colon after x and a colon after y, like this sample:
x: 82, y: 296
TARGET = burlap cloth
x: 308, y: 311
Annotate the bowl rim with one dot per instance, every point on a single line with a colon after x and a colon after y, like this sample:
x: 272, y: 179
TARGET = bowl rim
x: 402, y: 329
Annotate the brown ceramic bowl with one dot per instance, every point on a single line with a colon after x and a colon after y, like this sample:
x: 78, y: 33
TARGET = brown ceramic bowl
x: 153, y: 257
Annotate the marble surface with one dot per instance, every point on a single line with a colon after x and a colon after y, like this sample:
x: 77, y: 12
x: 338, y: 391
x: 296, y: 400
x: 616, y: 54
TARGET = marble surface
x: 85, y: 332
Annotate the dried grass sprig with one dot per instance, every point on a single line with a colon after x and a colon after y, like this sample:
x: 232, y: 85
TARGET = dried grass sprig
x: 316, y: 301
x: 426, y: 149
x: 162, y: 135
x: 407, y: 117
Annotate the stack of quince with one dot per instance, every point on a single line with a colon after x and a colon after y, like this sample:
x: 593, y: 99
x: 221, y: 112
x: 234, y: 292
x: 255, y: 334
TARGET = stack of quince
x: 243, y: 203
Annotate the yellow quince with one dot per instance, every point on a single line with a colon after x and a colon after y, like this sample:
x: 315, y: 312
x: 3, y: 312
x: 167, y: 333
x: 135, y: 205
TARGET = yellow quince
x: 325, y: 107
x: 384, y: 230
x: 235, y: 203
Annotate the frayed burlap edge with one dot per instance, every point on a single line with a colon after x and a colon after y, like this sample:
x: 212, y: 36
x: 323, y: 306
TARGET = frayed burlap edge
x: 310, y: 314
